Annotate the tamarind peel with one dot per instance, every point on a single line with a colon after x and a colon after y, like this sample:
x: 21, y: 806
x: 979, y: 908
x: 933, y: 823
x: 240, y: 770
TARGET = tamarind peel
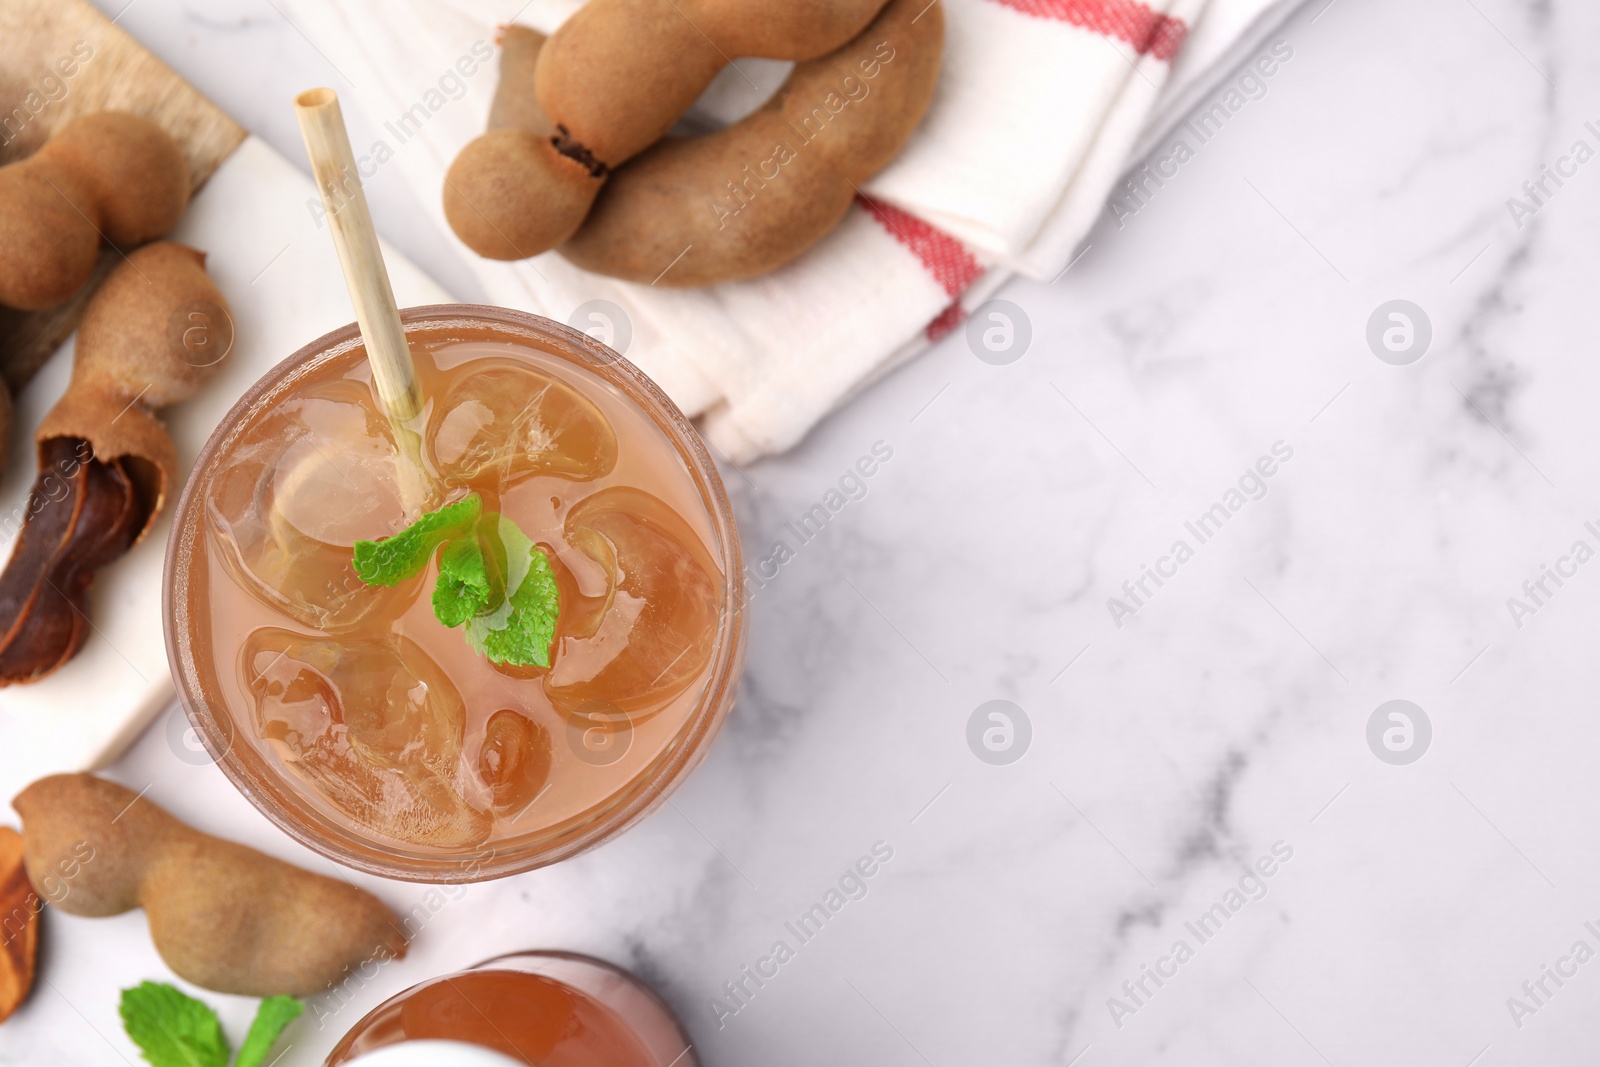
x: 19, y: 925
x: 65, y: 539
x: 109, y: 174
x: 222, y: 916
x: 557, y: 154
x: 152, y: 335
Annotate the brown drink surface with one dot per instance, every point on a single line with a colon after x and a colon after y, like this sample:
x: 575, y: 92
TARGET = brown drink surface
x: 386, y: 719
x: 552, y: 1011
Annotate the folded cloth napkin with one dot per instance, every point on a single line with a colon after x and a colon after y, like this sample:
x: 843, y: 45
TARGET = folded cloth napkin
x: 1038, y: 107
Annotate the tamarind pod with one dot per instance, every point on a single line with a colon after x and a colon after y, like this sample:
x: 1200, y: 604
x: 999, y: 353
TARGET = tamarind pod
x: 618, y: 73
x: 515, y: 103
x: 606, y: 85
x: 512, y: 194
x: 154, y: 333
x: 793, y: 29
x: 753, y: 196
x: 82, y: 514
x: 222, y: 916
x: 158, y: 328
x: 138, y: 349
x: 107, y: 175
x: 48, y: 243
x: 135, y: 172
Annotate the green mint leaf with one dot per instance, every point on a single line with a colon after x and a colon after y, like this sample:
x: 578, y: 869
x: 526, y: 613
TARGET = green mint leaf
x: 171, y: 1028
x: 462, y: 590
x: 392, y: 560
x: 274, y: 1014
x: 522, y: 627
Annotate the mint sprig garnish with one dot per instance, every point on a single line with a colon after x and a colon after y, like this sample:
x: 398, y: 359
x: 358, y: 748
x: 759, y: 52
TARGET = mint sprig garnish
x: 173, y: 1029
x: 492, y: 579
x: 463, y: 588
x: 522, y: 627
x: 392, y: 560
x: 274, y: 1014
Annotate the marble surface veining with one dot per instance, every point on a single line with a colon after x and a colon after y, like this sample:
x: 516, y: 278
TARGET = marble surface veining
x: 1210, y: 729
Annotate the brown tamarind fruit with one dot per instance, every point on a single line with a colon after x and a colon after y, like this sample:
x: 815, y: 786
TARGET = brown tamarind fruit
x: 108, y: 175
x: 619, y: 73
x: 608, y: 84
x: 152, y: 335
x: 222, y: 916
x: 750, y: 197
x: 518, y: 217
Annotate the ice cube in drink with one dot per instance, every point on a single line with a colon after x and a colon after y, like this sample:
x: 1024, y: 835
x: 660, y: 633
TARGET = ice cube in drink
x: 319, y: 473
x: 510, y: 421
x: 373, y: 724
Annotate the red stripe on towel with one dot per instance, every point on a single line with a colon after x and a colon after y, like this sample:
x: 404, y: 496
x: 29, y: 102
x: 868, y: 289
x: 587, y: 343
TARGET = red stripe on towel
x: 946, y: 258
x: 1149, y: 32
x: 948, y: 320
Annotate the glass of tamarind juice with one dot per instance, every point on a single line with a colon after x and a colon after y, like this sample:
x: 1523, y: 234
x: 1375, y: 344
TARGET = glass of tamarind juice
x: 470, y: 645
x: 553, y: 1009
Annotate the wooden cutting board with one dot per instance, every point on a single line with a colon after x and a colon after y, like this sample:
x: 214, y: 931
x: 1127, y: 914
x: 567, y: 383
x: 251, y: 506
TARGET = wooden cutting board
x: 60, y: 59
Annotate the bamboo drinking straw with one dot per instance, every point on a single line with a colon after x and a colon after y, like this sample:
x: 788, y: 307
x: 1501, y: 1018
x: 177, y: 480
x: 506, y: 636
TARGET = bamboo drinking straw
x: 334, y: 168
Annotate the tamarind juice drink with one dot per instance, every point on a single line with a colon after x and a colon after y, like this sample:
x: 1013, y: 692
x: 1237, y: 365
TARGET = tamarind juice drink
x: 542, y: 1008
x: 472, y: 644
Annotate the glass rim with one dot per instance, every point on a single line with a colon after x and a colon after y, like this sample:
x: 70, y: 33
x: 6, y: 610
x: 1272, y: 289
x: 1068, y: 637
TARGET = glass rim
x: 346, y: 845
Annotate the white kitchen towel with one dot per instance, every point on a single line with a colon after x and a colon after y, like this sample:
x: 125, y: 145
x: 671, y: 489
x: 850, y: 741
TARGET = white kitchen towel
x: 1038, y: 107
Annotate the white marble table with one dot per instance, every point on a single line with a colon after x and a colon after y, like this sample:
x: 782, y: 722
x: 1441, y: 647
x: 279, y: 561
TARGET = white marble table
x: 1224, y: 723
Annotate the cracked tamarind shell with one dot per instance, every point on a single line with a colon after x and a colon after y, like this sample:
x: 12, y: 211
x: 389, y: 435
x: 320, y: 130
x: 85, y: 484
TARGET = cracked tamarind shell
x: 153, y: 334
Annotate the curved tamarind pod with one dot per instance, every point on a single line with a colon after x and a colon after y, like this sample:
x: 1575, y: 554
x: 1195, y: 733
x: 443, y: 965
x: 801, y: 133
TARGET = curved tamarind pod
x: 222, y: 916
x: 753, y: 196
x: 618, y: 73
x: 109, y: 174
x: 609, y: 83
x: 153, y: 334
